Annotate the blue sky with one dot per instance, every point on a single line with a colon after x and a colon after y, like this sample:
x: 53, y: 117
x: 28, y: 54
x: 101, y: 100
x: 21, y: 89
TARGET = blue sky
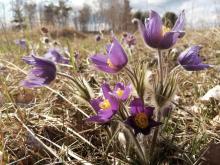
x: 198, y: 12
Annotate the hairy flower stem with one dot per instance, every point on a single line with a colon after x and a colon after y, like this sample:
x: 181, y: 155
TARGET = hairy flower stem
x: 156, y: 131
x: 160, y: 67
x: 78, y: 83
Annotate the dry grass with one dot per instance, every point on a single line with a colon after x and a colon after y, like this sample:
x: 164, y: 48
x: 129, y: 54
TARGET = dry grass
x: 44, y: 126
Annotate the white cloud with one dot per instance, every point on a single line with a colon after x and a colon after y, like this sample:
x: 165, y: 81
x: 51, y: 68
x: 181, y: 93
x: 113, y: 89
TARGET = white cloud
x: 200, y: 12
x: 156, y: 2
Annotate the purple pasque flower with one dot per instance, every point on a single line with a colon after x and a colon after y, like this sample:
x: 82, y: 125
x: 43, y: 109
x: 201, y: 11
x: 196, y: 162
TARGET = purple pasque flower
x: 190, y: 60
x: 42, y: 73
x: 122, y: 91
x: 129, y: 39
x: 115, y: 59
x: 141, y: 117
x: 105, y: 107
x: 54, y: 55
x: 158, y: 36
x: 21, y: 42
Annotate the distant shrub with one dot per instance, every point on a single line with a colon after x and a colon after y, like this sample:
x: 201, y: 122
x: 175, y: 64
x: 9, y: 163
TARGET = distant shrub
x: 66, y: 32
x: 169, y: 19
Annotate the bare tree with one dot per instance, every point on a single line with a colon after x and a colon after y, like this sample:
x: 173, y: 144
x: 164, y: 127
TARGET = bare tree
x: 40, y: 11
x: 31, y: 13
x: 62, y: 12
x: 84, y: 17
x: 75, y: 19
x: 115, y: 13
x: 101, y: 14
x: 126, y: 18
x: 18, y: 18
x: 49, y: 16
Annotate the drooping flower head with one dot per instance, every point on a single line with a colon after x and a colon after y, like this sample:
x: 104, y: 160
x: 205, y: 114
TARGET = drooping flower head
x: 190, y: 60
x: 42, y: 73
x: 45, y: 40
x: 141, y: 117
x: 158, y: 36
x: 21, y: 42
x: 105, y: 107
x: 122, y: 91
x: 129, y: 39
x: 44, y: 30
x: 98, y: 37
x: 54, y: 55
x: 76, y: 55
x: 115, y: 59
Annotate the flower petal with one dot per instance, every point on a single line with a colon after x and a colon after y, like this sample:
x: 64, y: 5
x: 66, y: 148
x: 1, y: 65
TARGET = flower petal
x: 196, y: 67
x: 153, y: 123
x: 142, y: 29
x: 153, y: 29
x: 180, y: 22
x: 169, y: 39
x: 137, y: 106
x: 106, y: 90
x: 117, y: 54
x: 127, y: 92
x: 29, y: 59
x: 32, y: 83
x: 102, y: 117
x: 149, y: 111
x: 100, y: 62
x: 95, y: 104
x: 119, y: 85
x: 190, y: 60
x: 108, y: 47
x: 43, y: 72
x: 54, y: 55
x: 190, y: 56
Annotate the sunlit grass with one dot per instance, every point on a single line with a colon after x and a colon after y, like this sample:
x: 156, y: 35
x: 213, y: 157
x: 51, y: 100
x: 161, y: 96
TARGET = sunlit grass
x: 43, y: 125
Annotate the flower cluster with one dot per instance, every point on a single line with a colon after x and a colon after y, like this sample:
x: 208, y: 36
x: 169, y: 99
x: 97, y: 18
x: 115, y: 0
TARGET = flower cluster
x: 129, y: 39
x: 112, y: 105
x: 108, y: 106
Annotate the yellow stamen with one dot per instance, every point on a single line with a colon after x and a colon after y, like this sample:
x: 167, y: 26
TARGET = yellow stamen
x: 141, y: 120
x: 110, y: 63
x: 105, y: 104
x: 165, y: 29
x: 120, y: 92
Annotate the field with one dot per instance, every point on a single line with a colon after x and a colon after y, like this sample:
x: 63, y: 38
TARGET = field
x: 47, y: 125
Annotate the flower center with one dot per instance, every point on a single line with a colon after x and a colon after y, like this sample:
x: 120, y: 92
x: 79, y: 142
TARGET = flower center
x: 110, y: 63
x: 141, y: 120
x: 119, y: 92
x: 105, y: 104
x: 165, y: 29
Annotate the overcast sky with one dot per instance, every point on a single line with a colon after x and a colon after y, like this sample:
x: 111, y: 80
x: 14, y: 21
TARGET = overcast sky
x: 197, y: 11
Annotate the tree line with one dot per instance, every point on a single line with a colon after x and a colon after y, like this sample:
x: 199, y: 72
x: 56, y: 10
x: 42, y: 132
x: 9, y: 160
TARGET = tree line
x: 113, y: 15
